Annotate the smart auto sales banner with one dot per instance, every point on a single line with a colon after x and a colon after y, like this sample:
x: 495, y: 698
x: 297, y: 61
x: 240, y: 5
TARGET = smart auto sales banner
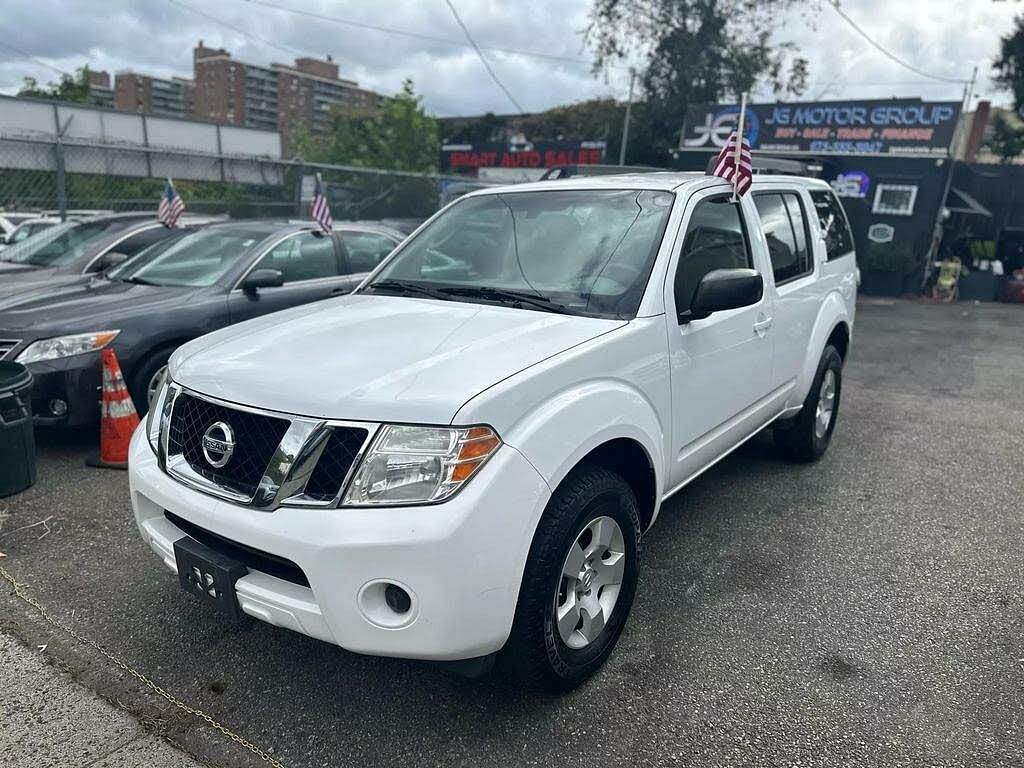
x: 889, y: 127
x: 460, y: 158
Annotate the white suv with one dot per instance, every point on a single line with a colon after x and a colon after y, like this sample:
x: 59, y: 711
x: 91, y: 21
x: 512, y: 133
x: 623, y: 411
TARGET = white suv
x: 460, y: 457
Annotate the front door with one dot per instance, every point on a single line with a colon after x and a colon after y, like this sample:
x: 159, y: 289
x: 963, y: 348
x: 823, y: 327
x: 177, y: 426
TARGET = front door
x: 312, y: 268
x: 721, y: 366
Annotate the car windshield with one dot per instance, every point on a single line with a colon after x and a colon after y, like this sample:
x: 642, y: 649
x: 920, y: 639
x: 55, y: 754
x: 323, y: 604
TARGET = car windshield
x: 587, y: 252
x: 194, y: 259
x: 62, y: 244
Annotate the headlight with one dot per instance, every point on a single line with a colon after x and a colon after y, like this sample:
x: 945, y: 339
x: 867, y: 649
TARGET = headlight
x: 417, y: 465
x: 156, y: 415
x: 65, y: 346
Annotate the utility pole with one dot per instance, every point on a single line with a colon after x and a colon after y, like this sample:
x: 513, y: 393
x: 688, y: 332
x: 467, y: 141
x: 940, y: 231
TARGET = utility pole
x: 625, y: 120
x: 933, y: 250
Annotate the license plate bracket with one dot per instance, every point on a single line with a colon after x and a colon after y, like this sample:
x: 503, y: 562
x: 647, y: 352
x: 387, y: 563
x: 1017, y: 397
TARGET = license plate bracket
x: 208, y: 575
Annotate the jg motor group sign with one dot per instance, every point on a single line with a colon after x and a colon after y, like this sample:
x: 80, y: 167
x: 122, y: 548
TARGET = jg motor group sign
x: 892, y: 127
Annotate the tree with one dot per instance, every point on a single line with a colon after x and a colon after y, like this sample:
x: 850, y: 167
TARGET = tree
x: 1008, y: 139
x: 1009, y: 66
x: 398, y: 136
x: 69, y: 88
x: 696, y: 51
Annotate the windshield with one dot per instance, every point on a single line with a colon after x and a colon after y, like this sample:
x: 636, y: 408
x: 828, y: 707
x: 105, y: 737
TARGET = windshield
x: 62, y: 244
x: 579, y: 251
x: 194, y: 259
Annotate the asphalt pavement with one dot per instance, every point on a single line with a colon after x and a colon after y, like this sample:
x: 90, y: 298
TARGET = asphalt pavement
x: 862, y: 611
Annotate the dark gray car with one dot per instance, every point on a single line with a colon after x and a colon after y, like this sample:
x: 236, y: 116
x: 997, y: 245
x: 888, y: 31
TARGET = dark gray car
x: 176, y: 290
x: 64, y: 252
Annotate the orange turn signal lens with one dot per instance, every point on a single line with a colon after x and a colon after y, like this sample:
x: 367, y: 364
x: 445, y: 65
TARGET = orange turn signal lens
x: 462, y: 472
x: 479, y: 447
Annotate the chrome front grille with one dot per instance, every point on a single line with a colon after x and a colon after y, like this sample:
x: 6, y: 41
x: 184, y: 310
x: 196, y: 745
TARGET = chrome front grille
x: 275, y: 459
x: 7, y: 346
x: 256, y: 438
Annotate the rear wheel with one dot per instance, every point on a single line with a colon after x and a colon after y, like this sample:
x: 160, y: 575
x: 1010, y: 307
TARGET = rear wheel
x: 806, y: 437
x: 579, y: 581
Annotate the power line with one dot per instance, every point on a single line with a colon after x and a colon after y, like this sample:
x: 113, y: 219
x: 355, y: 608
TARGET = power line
x: 418, y: 35
x: 38, y: 61
x: 889, y: 54
x: 483, y: 59
x: 239, y: 30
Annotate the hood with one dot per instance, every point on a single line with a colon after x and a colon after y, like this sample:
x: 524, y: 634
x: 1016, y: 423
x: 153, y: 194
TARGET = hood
x: 376, y: 358
x: 82, y: 305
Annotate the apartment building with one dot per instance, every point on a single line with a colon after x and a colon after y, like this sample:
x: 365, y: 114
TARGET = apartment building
x: 134, y: 92
x: 279, y: 97
x: 100, y: 92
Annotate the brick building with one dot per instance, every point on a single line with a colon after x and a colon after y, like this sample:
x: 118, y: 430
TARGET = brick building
x: 100, y: 92
x: 153, y: 95
x: 279, y: 97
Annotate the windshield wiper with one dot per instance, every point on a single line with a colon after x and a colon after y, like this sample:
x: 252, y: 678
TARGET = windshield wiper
x: 403, y: 286
x: 136, y: 280
x: 508, y: 296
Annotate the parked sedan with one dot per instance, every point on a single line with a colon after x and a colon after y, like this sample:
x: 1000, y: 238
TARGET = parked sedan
x: 26, y: 229
x: 64, y: 252
x: 174, y: 291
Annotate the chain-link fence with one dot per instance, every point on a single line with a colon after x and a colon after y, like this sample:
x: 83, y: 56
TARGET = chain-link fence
x: 40, y: 174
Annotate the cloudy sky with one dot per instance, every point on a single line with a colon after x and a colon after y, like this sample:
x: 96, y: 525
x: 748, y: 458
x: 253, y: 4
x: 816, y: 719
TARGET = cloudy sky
x: 156, y: 36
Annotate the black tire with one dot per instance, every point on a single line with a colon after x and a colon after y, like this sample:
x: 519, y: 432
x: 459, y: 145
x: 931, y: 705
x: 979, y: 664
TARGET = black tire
x: 798, y: 438
x: 535, y: 651
x: 138, y: 386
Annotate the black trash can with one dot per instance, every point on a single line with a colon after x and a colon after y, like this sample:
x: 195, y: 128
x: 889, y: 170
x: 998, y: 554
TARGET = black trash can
x: 17, y: 441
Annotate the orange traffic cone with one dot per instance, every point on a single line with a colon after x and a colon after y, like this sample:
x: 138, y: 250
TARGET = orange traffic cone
x: 118, y: 417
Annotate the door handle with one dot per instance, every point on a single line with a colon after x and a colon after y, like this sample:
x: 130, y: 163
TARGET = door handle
x: 762, y: 326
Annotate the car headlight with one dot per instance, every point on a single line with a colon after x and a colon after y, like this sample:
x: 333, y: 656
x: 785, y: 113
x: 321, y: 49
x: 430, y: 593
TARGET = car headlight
x: 65, y: 346
x: 156, y: 416
x: 419, y: 465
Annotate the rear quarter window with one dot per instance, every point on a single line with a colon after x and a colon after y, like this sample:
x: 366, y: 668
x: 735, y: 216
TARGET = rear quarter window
x: 834, y: 226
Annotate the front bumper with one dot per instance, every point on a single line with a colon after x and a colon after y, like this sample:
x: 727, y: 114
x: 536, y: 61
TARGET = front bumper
x: 461, y: 561
x: 76, y: 381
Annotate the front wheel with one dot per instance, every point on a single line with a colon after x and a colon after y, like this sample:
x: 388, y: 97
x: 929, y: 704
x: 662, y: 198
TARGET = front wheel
x: 807, y: 436
x: 579, y: 581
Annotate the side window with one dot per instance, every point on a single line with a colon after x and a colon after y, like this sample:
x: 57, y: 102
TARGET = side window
x: 838, y: 240
x: 132, y: 245
x: 715, y: 239
x: 782, y: 220
x: 302, y: 257
x: 365, y: 249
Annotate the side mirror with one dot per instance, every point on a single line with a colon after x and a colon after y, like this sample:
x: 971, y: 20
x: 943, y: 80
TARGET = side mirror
x: 262, y: 278
x: 723, y: 289
x: 112, y: 259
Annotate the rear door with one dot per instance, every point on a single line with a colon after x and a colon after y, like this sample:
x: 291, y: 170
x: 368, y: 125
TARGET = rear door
x: 720, y: 366
x: 786, y: 229
x: 363, y: 250
x: 312, y: 266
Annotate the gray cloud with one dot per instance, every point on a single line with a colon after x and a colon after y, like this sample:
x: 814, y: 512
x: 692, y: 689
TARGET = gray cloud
x: 157, y: 36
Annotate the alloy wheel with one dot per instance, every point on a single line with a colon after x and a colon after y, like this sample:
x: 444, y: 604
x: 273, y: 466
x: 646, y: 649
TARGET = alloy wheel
x: 589, y: 586
x: 826, y: 404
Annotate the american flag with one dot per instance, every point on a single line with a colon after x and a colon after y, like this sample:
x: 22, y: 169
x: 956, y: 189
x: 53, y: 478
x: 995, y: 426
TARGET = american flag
x: 319, y: 209
x: 725, y: 164
x: 171, y: 207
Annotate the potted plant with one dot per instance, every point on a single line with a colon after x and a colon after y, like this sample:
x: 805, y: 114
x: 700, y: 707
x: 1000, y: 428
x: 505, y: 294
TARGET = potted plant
x: 884, y: 268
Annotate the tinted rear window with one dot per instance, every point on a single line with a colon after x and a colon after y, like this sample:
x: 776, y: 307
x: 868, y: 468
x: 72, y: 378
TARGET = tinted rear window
x: 838, y: 240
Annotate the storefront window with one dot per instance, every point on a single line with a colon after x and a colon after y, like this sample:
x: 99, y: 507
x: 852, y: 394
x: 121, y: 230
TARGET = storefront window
x: 895, y: 199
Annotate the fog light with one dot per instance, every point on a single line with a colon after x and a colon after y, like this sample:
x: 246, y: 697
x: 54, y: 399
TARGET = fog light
x: 58, y: 407
x: 388, y: 604
x: 398, y: 599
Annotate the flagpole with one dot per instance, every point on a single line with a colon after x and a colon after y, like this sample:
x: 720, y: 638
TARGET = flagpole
x: 739, y: 145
